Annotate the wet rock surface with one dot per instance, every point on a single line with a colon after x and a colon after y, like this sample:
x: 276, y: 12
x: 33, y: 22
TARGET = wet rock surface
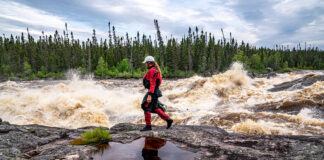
x: 298, y: 83
x: 291, y: 107
x: 41, y: 142
x: 215, y: 143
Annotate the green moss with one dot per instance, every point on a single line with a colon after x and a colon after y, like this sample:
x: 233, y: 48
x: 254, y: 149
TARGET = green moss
x: 93, y: 137
x: 32, y: 131
x: 130, y: 128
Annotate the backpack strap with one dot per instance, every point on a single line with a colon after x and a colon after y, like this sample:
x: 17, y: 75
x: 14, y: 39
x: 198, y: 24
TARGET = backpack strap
x: 156, y: 71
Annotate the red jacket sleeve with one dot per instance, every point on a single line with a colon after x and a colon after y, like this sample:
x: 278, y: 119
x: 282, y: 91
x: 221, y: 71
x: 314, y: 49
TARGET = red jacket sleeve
x: 152, y: 80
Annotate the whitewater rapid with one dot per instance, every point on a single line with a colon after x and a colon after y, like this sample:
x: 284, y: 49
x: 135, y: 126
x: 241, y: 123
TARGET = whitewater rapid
x: 230, y: 100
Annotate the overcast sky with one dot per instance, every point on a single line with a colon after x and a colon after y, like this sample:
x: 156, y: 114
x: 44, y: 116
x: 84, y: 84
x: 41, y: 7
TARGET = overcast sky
x: 260, y: 22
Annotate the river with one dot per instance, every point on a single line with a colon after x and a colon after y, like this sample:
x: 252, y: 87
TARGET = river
x: 230, y: 100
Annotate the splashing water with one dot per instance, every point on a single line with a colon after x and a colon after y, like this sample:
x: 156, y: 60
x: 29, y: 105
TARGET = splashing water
x: 230, y: 100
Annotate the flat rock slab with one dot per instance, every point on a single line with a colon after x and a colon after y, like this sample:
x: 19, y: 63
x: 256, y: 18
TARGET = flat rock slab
x: 41, y: 142
x: 216, y: 143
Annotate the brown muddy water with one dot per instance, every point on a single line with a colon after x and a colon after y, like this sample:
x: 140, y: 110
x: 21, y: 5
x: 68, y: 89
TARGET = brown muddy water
x: 147, y: 148
x: 230, y: 100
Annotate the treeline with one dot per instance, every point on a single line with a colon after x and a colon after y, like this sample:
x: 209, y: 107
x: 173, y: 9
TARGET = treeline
x: 121, y: 56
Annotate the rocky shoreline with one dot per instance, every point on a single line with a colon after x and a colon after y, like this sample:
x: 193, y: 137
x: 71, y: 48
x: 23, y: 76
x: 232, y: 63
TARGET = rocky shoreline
x: 42, y: 142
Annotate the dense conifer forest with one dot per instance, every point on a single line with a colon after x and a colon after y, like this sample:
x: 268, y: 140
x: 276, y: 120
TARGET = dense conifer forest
x: 197, y: 52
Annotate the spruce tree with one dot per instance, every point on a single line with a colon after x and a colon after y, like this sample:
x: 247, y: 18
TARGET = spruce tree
x: 102, y: 68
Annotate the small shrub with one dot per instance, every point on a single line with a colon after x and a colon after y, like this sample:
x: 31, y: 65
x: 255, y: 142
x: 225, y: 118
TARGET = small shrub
x: 123, y: 66
x: 138, y: 73
x: 93, y: 137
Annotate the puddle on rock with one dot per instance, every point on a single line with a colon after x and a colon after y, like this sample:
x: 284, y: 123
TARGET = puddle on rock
x: 148, y: 148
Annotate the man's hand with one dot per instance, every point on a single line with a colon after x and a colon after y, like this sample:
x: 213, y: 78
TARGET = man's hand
x: 149, y: 99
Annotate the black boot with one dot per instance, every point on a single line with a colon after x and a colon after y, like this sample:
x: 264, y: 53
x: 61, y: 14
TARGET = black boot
x: 169, y: 121
x: 146, y: 128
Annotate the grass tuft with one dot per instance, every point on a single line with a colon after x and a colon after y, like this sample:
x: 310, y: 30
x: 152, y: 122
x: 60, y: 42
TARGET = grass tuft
x: 93, y: 137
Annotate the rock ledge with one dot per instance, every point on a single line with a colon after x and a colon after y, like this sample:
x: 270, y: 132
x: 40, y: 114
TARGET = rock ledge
x: 41, y: 142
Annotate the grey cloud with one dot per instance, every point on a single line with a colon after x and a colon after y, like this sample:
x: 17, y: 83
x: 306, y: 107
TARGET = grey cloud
x: 261, y: 14
x: 253, y: 10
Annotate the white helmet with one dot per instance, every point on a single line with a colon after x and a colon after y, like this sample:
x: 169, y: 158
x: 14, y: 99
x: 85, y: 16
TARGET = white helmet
x: 148, y: 59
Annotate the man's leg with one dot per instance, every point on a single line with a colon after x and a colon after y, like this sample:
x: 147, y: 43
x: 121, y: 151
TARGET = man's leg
x: 148, y: 118
x: 161, y: 114
x: 147, y: 115
x: 164, y: 117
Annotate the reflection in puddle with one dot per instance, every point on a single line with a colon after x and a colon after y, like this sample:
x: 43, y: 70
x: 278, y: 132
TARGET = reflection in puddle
x: 148, y: 148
